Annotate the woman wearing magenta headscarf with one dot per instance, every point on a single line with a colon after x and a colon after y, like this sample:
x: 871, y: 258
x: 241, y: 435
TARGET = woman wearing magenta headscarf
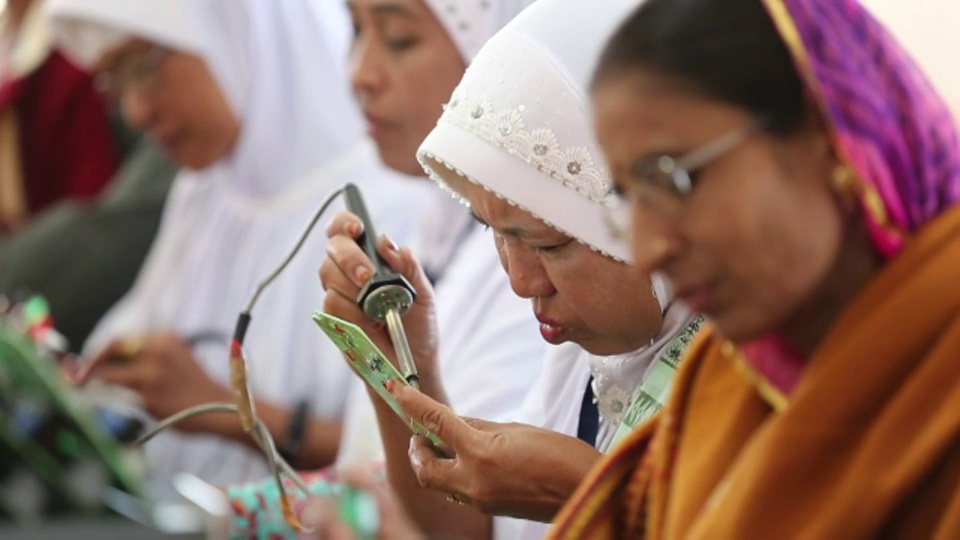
x: 792, y: 172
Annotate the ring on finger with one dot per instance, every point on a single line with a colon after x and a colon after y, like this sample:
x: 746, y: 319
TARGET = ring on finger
x: 131, y: 347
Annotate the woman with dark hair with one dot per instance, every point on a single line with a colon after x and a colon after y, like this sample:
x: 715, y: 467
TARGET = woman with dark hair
x: 789, y: 169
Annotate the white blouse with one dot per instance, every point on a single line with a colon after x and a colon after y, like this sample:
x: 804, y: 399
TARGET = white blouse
x: 219, y: 262
x: 557, y: 399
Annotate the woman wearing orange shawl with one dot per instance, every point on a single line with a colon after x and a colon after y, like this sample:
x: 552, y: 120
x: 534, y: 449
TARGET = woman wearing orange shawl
x: 790, y: 170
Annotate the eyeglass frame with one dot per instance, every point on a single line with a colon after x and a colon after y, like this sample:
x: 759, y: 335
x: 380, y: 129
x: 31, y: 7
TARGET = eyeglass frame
x: 678, y: 170
x: 141, y: 72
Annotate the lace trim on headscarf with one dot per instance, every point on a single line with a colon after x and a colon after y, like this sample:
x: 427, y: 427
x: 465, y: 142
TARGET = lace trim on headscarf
x: 421, y: 157
x: 574, y: 166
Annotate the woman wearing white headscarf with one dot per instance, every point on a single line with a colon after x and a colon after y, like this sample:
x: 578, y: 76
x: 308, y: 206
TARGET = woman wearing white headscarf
x: 407, y: 56
x: 250, y: 96
x: 478, y: 315
x: 516, y: 144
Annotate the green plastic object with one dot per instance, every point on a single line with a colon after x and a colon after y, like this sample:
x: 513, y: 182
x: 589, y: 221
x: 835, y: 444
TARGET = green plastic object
x: 369, y: 362
x: 34, y: 393
x: 358, y: 510
x: 35, y: 310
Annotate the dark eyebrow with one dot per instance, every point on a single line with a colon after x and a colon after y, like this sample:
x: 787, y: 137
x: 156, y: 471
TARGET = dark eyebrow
x: 515, y: 232
x: 117, y: 59
x: 384, y: 10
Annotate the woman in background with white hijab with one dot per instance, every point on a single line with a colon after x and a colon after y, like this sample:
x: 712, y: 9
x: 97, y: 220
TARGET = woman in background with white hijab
x: 250, y: 97
x: 406, y: 59
x: 516, y: 144
x: 405, y: 63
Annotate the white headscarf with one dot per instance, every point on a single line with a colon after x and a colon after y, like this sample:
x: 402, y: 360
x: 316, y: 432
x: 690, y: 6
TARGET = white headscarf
x: 281, y: 64
x: 487, y: 333
x: 518, y: 121
x: 519, y: 125
x: 470, y: 23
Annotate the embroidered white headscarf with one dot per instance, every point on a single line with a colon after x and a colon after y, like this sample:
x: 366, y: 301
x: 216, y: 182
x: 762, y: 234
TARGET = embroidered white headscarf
x: 282, y: 66
x: 519, y: 125
x: 518, y: 121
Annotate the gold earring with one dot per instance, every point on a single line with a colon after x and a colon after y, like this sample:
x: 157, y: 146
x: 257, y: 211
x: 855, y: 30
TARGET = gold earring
x: 844, y: 185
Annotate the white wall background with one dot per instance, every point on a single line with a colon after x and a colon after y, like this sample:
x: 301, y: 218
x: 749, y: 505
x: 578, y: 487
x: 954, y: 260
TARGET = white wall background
x: 930, y: 29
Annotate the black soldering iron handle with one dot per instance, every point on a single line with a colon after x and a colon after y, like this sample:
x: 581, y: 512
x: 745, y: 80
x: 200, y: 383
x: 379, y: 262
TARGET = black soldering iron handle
x: 368, y: 240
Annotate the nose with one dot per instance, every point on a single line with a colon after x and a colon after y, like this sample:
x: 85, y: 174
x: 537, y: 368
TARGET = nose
x: 366, y: 72
x: 652, y: 240
x: 137, y: 108
x: 528, y: 277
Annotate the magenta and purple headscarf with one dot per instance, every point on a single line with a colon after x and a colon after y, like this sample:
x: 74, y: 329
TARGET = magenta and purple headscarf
x: 888, y: 122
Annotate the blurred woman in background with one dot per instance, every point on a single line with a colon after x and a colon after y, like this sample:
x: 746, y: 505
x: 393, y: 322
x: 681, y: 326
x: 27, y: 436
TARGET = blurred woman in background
x: 62, y: 205
x: 395, y: 53
x: 247, y: 96
x: 406, y: 58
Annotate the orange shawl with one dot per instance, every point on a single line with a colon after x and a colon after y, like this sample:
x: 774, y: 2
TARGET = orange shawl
x: 867, y: 445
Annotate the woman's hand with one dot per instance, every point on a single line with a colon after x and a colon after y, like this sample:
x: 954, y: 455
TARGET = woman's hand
x: 345, y: 271
x: 323, y: 517
x: 501, y: 469
x: 161, y: 368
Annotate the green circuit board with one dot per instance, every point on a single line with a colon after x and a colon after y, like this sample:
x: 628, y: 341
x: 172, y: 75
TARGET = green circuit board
x: 369, y: 362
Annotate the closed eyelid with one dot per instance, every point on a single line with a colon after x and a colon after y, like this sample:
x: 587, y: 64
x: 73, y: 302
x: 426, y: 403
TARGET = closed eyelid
x: 566, y: 241
x: 119, y: 60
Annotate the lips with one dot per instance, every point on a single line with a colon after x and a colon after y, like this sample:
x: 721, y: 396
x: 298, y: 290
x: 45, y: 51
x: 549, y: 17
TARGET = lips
x: 552, y: 331
x: 377, y: 125
x: 699, y: 298
x: 168, y: 141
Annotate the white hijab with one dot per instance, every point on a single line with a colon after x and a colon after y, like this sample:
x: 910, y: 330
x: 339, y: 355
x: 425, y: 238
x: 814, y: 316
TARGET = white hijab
x: 282, y: 66
x: 470, y: 23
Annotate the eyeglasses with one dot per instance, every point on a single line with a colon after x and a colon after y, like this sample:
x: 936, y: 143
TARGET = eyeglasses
x: 662, y: 183
x: 138, y: 72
